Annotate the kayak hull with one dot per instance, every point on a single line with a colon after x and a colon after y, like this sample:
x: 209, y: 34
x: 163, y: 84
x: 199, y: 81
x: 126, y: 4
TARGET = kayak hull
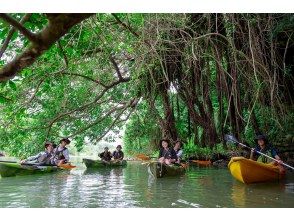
x: 100, y: 164
x: 159, y: 170
x: 249, y: 171
x: 8, y: 169
x: 201, y: 162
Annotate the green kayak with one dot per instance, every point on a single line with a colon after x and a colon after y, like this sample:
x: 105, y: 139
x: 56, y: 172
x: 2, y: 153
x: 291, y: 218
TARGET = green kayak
x: 8, y: 169
x: 99, y: 163
x: 159, y: 170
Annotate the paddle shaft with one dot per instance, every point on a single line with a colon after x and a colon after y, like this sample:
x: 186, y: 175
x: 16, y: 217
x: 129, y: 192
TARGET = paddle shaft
x: 267, y: 156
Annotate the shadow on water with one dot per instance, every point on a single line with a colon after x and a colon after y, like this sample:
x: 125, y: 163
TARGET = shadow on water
x: 132, y: 186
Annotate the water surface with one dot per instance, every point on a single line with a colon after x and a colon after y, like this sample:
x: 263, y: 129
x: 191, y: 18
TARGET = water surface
x: 133, y: 187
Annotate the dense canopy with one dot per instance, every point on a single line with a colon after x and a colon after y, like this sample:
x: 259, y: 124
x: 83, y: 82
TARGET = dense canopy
x: 192, y: 77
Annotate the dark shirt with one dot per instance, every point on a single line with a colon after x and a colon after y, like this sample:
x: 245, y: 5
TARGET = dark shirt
x: 168, y: 154
x: 269, y: 149
x: 105, y: 156
x: 118, y: 155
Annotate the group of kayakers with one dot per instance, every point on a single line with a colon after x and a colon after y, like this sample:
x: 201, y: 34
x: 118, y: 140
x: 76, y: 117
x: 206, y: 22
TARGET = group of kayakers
x: 53, y: 154
x: 170, y: 155
x: 117, y: 155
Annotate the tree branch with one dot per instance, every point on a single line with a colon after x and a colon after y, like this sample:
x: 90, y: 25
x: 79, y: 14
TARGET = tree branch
x: 86, y: 77
x: 17, y: 25
x: 129, y: 28
x: 11, y: 32
x: 116, y: 67
x: 58, y: 25
x: 63, y: 53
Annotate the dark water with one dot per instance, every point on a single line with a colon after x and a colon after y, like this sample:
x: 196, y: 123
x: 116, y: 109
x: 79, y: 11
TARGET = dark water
x: 133, y: 187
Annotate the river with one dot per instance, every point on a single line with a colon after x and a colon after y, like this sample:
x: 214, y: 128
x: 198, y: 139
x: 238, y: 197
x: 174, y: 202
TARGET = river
x: 133, y: 187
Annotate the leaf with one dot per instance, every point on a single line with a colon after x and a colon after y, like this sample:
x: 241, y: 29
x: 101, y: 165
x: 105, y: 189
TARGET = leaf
x: 12, y: 85
x: 2, y: 100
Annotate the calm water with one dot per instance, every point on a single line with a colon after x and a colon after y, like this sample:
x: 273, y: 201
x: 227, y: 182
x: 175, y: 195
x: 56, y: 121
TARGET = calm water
x: 133, y: 187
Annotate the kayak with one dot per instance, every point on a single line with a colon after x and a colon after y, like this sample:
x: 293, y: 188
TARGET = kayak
x: 159, y: 170
x: 8, y: 169
x: 142, y: 157
x: 202, y: 162
x: 99, y: 163
x: 250, y: 171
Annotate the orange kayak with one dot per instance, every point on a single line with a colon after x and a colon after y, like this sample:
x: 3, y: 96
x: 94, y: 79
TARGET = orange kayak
x: 202, y: 162
x: 142, y: 157
x: 250, y: 171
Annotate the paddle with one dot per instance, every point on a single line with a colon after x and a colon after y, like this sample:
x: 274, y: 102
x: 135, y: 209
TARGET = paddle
x: 66, y: 166
x: 231, y: 138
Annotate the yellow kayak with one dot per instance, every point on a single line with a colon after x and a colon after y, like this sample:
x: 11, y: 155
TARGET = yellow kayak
x: 249, y: 171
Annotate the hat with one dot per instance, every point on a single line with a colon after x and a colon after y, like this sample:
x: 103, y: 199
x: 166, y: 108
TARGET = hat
x: 119, y: 146
x: 261, y: 137
x: 66, y: 140
x: 48, y: 143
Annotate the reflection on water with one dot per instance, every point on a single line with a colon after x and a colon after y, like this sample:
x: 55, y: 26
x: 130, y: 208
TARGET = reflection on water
x: 133, y: 187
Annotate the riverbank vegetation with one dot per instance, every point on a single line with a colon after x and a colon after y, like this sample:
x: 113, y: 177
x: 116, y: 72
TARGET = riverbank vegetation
x: 192, y: 77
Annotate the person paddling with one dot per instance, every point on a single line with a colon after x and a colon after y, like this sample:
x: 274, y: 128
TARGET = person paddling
x: 178, y: 150
x: 264, y: 147
x: 105, y: 155
x: 42, y: 158
x: 118, y: 154
x: 167, y: 154
x: 61, y: 153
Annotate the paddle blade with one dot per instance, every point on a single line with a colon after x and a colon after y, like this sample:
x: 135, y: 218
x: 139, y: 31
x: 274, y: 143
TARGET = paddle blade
x: 230, y: 138
x: 67, y: 166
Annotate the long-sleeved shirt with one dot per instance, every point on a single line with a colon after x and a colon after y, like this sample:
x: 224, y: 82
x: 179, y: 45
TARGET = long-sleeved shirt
x: 179, y: 153
x: 42, y: 157
x: 61, y: 153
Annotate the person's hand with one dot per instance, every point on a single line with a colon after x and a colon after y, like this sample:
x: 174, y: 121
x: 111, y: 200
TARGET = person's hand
x: 280, y: 161
x: 22, y: 161
x: 252, y: 150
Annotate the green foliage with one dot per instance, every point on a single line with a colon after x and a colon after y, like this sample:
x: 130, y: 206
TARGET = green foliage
x: 142, y: 134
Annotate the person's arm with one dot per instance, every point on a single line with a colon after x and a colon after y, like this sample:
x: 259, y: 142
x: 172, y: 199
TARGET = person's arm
x: 35, y: 157
x: 180, y: 153
x: 275, y: 155
x: 252, y: 153
x: 122, y: 155
x: 66, y: 155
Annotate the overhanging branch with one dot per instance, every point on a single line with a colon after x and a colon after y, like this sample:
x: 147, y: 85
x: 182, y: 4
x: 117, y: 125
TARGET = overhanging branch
x: 58, y: 25
x: 17, y: 25
x: 11, y: 32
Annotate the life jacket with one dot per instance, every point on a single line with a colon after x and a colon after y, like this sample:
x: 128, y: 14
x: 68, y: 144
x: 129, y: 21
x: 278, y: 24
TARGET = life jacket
x: 58, y: 155
x: 105, y: 156
x: 264, y: 159
x: 117, y: 154
x: 45, y: 158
